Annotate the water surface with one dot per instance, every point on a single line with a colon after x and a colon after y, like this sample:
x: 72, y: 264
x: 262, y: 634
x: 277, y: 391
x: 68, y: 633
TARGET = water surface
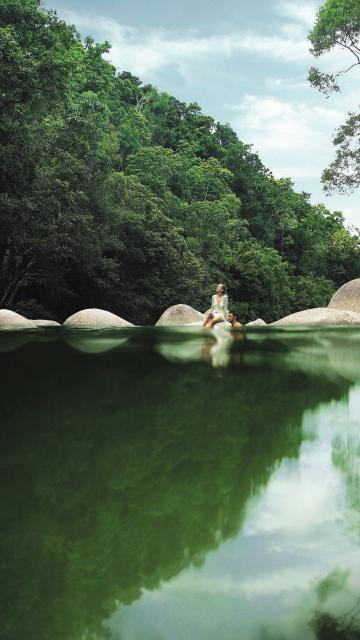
x: 169, y: 484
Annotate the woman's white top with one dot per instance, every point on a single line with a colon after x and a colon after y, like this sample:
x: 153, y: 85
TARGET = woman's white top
x: 220, y: 307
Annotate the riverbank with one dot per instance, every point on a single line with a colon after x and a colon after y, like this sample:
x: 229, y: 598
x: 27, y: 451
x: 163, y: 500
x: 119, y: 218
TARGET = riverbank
x: 342, y: 310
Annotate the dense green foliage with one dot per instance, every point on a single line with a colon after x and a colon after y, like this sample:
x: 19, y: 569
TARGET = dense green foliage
x: 338, y: 26
x: 115, y: 195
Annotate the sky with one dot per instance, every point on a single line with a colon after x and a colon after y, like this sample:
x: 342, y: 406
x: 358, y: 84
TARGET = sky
x: 245, y: 62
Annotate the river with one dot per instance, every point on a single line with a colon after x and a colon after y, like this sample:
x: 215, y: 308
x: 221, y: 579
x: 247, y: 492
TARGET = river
x: 177, y: 484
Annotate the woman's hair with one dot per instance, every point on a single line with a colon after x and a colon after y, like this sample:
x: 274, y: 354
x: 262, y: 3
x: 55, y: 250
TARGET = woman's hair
x: 223, y: 288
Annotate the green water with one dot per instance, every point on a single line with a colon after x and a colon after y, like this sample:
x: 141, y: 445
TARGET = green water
x: 180, y: 485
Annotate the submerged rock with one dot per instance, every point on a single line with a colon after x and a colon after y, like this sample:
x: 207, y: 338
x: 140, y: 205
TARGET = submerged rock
x: 179, y: 314
x: 10, y: 341
x: 256, y: 323
x: 11, y: 320
x: 344, y: 358
x: 347, y: 297
x: 46, y: 323
x: 95, y: 318
x: 94, y: 344
x: 199, y: 323
x: 187, y: 351
x: 320, y: 316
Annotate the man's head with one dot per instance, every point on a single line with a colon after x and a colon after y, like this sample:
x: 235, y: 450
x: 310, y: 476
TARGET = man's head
x: 232, y: 317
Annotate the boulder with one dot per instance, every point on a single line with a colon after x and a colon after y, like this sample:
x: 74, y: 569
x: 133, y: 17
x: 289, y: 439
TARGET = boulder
x: 179, y: 314
x: 347, y: 297
x: 256, y: 323
x: 46, y: 323
x: 12, y: 320
x: 94, y: 318
x: 320, y: 316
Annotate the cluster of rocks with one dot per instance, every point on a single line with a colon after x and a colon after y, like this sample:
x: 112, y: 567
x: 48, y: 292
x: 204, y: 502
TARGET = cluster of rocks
x: 343, y: 309
x: 320, y: 316
x: 81, y: 319
x: 183, y: 315
x: 16, y: 321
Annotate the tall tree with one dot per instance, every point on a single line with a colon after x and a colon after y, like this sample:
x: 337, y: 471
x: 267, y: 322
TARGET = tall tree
x: 338, y: 27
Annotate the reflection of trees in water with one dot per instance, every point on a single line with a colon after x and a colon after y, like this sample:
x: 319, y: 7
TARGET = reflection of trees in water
x: 346, y: 456
x: 329, y: 627
x: 325, y: 624
x: 341, y: 626
x: 119, y: 471
x: 344, y: 626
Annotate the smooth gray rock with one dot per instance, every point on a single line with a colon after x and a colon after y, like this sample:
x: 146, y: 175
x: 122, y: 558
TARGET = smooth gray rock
x: 179, y: 314
x: 320, y: 316
x: 12, y: 320
x: 95, y: 318
x: 46, y: 323
x: 256, y: 323
x: 347, y: 297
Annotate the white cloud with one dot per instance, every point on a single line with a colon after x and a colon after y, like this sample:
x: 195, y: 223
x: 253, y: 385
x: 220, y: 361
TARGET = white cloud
x: 303, y: 12
x: 147, y: 51
x: 281, y: 582
x: 291, y: 137
x: 300, y: 499
x: 286, y: 84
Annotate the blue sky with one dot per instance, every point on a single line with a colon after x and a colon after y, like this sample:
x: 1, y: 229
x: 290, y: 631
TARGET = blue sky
x: 245, y: 62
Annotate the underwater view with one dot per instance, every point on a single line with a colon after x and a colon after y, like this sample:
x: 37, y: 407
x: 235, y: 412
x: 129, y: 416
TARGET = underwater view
x: 172, y: 483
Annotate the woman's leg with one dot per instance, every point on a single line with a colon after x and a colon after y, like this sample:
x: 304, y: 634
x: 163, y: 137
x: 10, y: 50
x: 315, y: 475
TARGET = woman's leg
x: 215, y: 320
x: 209, y: 316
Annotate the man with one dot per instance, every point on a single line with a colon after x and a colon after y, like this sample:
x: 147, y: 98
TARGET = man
x: 232, y: 318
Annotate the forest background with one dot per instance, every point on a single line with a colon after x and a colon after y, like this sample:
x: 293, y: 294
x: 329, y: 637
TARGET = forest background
x: 118, y: 196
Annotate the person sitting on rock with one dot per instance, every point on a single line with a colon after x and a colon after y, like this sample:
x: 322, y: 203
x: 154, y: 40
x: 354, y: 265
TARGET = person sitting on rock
x: 219, y: 308
x: 233, y: 319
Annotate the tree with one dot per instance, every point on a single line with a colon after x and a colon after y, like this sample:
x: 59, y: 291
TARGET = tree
x: 259, y: 277
x: 105, y: 180
x: 150, y: 258
x: 310, y: 292
x: 338, y: 26
x: 208, y: 180
x: 153, y: 166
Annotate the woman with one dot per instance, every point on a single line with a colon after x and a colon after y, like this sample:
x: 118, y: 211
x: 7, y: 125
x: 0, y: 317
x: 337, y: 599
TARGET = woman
x: 219, y: 308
